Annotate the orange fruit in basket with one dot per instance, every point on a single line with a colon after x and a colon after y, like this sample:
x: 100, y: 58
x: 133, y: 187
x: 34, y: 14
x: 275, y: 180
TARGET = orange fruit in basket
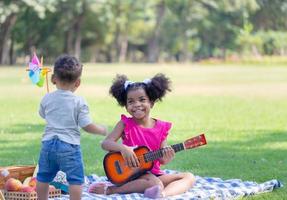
x: 13, y: 184
x: 27, y: 189
x: 33, y: 182
x: 52, y: 188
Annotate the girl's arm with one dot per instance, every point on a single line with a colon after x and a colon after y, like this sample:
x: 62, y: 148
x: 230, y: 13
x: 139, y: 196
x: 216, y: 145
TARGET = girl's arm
x: 168, y: 153
x: 110, y: 144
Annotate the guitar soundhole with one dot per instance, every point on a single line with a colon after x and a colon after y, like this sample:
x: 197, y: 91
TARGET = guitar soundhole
x: 118, y: 167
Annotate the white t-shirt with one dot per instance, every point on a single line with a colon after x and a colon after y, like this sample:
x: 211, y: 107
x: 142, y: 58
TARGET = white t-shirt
x: 64, y: 113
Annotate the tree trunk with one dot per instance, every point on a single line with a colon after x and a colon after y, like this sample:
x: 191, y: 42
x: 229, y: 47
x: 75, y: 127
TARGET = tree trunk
x: 5, y: 32
x: 73, y: 38
x: 123, y: 49
x: 116, y: 45
x: 78, y: 45
x: 11, y: 52
x: 116, y: 42
x: 94, y: 55
x: 185, y: 52
x: 153, y: 42
x: 69, y: 42
x: 108, y: 53
x: 77, y: 31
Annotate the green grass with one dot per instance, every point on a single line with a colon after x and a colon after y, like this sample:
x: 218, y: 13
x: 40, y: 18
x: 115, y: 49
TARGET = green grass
x: 242, y: 111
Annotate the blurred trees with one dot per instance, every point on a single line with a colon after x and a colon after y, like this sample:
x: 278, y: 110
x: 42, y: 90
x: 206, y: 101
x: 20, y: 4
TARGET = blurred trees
x: 10, y: 12
x: 142, y: 31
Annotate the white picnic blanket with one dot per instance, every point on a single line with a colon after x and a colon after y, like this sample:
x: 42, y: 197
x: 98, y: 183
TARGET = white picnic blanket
x: 204, y: 188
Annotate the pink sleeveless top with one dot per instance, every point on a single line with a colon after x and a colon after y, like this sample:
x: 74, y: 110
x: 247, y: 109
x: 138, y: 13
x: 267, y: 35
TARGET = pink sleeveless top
x: 135, y: 135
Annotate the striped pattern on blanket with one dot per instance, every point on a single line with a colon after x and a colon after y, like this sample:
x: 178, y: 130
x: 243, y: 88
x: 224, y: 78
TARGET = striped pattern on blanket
x: 204, y: 188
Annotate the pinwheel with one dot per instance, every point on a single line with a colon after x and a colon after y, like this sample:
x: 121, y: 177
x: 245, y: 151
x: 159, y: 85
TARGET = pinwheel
x: 38, y: 73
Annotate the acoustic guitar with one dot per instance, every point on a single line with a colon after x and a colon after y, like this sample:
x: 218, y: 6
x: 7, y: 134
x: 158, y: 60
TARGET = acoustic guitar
x: 118, y: 172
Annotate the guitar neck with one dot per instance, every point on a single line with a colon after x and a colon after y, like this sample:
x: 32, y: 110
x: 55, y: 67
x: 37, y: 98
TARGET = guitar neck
x: 188, y: 144
x: 153, y: 155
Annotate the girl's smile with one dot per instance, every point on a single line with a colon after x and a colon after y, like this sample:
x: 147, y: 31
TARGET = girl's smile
x: 139, y: 105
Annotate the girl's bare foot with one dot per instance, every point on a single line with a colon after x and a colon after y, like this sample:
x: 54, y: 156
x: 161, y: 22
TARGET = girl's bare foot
x: 154, y: 192
x: 98, y: 188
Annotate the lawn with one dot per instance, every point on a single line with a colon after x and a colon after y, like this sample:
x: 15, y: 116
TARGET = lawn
x: 242, y: 111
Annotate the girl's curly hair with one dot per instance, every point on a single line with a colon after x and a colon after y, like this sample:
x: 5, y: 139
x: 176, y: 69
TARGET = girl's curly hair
x: 155, y: 89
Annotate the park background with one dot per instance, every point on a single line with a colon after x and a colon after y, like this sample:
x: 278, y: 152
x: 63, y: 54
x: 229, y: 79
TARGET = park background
x: 226, y: 59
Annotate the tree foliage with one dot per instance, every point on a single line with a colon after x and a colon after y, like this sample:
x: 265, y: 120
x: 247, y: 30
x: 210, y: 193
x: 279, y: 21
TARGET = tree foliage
x: 142, y: 31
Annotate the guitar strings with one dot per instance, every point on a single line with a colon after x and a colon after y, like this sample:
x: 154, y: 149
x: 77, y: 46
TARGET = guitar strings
x: 148, y: 155
x: 152, y: 155
x: 124, y: 164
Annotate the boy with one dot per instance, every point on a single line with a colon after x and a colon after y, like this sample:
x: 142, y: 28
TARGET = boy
x: 64, y: 113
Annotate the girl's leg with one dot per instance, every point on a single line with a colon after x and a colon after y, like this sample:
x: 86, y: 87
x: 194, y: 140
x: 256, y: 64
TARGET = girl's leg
x: 176, y: 183
x: 138, y: 185
x: 42, y: 190
x: 75, y: 192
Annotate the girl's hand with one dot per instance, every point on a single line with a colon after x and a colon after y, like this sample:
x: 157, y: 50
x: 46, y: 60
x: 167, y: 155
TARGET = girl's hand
x: 168, y: 155
x: 130, y: 156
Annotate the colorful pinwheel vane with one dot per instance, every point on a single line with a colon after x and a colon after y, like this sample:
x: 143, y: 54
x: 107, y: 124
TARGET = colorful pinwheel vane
x: 38, y: 73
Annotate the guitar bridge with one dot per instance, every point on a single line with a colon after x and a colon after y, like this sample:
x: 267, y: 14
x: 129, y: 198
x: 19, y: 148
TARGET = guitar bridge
x: 118, y: 167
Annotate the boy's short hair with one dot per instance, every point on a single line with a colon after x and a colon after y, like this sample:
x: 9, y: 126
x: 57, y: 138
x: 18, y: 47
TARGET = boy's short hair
x: 67, y: 68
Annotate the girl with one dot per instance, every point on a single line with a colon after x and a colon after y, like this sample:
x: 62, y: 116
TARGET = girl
x: 142, y: 130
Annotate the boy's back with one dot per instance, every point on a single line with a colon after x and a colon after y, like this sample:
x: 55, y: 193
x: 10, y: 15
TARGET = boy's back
x: 64, y: 112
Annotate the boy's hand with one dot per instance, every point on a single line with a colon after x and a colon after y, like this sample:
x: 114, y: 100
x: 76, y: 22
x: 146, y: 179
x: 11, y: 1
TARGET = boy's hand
x: 168, y: 155
x: 96, y: 129
x: 103, y: 130
x: 130, y: 156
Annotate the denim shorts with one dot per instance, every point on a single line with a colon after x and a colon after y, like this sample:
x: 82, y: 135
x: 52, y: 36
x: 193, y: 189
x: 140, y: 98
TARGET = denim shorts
x: 58, y: 155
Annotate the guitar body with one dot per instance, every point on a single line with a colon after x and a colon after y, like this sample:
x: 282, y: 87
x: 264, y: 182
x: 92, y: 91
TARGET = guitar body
x: 117, y: 170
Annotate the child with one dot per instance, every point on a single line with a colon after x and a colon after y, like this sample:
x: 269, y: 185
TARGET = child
x: 64, y: 113
x: 142, y: 130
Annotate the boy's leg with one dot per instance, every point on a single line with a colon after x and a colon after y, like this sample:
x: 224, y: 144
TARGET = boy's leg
x: 42, y: 190
x: 70, y: 159
x: 75, y: 192
x: 176, y: 183
x: 47, y: 169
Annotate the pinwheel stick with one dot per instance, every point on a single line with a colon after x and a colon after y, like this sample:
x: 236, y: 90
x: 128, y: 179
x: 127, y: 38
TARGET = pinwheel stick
x: 47, y: 83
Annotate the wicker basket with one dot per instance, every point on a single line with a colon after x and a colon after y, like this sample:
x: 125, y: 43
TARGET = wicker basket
x: 18, y: 172
x: 29, y: 195
x: 21, y: 173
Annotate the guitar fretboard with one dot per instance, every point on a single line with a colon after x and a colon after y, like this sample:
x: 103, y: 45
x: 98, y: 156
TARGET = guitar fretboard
x: 153, y: 155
